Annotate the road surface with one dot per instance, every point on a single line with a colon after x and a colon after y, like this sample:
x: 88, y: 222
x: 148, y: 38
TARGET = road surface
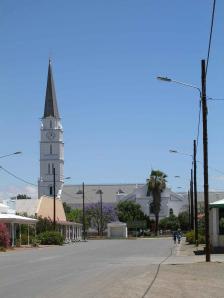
x: 97, y: 268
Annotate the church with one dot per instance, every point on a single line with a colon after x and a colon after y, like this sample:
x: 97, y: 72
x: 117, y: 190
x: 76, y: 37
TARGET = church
x: 51, y: 181
x: 51, y: 144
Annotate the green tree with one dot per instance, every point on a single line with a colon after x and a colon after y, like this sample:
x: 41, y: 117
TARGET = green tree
x: 67, y: 208
x: 74, y: 215
x: 183, y: 218
x: 156, y: 184
x: 129, y: 211
x: 169, y: 223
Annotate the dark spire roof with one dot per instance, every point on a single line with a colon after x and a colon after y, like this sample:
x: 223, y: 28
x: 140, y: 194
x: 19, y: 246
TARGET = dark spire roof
x: 50, y: 108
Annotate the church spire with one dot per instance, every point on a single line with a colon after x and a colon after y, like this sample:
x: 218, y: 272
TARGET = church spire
x: 51, y: 108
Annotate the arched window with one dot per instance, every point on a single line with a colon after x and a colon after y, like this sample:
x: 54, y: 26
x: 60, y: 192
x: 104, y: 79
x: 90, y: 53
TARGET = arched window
x: 171, y: 211
x: 51, y: 190
x: 50, y: 148
x: 49, y: 168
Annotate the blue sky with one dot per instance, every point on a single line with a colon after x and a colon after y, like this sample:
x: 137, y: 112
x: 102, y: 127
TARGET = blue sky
x: 118, y: 120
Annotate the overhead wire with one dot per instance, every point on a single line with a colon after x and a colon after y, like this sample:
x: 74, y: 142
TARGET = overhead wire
x: 17, y: 177
x: 198, y: 128
x: 207, y: 63
x: 210, y: 36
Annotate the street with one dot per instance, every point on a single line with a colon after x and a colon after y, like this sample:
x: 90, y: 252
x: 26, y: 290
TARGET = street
x: 97, y: 268
x: 110, y: 269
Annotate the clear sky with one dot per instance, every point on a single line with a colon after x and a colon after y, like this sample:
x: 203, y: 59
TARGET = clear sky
x: 118, y: 120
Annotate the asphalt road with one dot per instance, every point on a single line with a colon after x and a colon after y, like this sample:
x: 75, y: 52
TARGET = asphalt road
x: 97, y: 268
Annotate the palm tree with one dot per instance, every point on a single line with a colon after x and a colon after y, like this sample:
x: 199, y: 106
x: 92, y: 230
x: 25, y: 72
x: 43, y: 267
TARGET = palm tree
x: 156, y: 184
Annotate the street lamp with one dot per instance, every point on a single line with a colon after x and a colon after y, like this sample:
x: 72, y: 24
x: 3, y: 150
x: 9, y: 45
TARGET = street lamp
x: 178, y: 152
x: 169, y: 80
x: 82, y: 192
x: 100, y: 192
x: 14, y: 153
x: 202, y: 93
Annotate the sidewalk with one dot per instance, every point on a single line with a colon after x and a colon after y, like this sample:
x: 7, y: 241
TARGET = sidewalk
x: 183, y: 253
x: 186, y: 275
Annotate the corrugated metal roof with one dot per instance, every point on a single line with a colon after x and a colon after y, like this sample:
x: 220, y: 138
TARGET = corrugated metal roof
x: 109, y: 195
x: 213, y: 196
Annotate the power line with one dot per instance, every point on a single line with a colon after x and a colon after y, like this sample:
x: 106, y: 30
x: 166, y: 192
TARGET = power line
x: 199, y: 122
x: 210, y: 36
x: 215, y: 99
x: 17, y: 177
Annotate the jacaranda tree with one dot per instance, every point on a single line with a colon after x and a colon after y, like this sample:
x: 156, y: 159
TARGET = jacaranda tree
x: 93, y: 215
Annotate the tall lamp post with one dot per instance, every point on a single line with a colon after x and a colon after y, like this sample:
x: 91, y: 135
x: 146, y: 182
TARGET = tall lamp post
x: 202, y: 93
x: 100, y: 192
x: 82, y: 192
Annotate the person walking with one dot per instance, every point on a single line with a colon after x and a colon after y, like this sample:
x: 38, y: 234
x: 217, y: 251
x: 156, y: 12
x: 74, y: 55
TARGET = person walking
x: 175, y: 237
x: 179, y: 235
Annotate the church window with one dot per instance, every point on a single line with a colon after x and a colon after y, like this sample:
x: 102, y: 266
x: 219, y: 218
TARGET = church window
x: 51, y: 190
x: 49, y: 168
x: 50, y: 148
x: 171, y: 211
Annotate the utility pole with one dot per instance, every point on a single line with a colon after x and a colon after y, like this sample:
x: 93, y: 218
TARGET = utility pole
x: 54, y: 214
x: 101, y: 212
x: 192, y: 201
x: 195, y: 197
x: 205, y: 153
x: 189, y: 209
x: 83, y: 211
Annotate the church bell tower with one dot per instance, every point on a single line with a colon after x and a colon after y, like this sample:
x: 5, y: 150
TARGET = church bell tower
x: 51, y: 144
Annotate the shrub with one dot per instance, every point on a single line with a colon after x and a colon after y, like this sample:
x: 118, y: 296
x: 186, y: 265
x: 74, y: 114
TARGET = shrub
x: 35, y: 242
x: 4, y: 236
x: 169, y: 223
x: 50, y: 238
x: 190, y: 238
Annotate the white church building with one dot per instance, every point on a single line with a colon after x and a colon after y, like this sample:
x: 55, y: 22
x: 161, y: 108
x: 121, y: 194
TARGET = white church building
x: 51, y: 144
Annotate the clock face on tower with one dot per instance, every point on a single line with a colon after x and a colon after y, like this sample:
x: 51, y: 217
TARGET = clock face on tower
x: 50, y: 135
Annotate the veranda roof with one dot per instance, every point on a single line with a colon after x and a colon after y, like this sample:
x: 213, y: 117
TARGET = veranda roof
x: 217, y: 204
x: 13, y: 218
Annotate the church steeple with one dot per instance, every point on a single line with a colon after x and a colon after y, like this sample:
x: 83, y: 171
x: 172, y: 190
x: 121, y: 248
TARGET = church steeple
x: 51, y: 108
x: 51, y: 144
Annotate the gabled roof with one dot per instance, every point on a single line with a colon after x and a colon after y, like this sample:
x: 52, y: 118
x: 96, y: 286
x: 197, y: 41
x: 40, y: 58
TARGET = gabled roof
x: 51, y: 108
x: 72, y: 195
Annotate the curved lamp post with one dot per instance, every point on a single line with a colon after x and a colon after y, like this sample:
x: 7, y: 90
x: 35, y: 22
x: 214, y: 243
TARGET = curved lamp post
x: 202, y: 93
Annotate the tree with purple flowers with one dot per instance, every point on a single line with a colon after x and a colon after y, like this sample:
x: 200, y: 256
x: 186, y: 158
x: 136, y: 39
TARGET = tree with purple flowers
x: 93, y: 215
